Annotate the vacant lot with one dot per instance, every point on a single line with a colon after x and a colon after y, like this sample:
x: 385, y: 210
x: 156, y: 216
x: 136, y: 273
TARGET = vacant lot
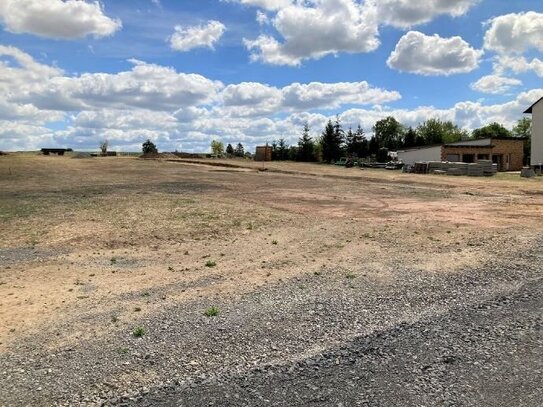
x: 331, y: 286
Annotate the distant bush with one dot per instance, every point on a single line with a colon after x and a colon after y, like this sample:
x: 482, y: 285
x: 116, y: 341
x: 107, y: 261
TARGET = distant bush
x: 149, y: 147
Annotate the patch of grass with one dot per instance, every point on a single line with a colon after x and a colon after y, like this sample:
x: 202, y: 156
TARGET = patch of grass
x: 211, y: 263
x: 113, y: 260
x: 137, y: 309
x: 317, y: 273
x: 250, y: 226
x: 170, y: 268
x: 350, y: 276
x: 274, y: 242
x: 123, y: 351
x: 114, y: 319
x: 236, y: 222
x: 211, y: 312
x: 146, y: 294
x: 138, y: 332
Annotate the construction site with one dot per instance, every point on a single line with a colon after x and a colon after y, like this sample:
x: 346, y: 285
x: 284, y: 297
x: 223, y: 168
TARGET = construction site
x: 211, y: 282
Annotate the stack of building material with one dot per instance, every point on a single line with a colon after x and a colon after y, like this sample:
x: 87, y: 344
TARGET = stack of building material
x: 489, y: 168
x: 455, y: 168
x: 420, y: 168
x: 475, y: 170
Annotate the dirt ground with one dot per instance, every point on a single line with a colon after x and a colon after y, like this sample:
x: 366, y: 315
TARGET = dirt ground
x: 94, y: 247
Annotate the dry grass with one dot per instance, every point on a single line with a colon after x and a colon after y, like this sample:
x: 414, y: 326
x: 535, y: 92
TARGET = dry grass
x: 63, y: 221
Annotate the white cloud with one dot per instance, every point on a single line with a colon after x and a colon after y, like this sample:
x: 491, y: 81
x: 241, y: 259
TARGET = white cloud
x: 146, y: 86
x: 433, y: 55
x: 314, y: 29
x: 262, y: 18
x: 249, y: 99
x: 185, y: 112
x: 407, y: 13
x: 187, y: 38
x: 515, y: 33
x: 265, y: 4
x: 518, y: 65
x: 57, y: 18
x: 495, y: 84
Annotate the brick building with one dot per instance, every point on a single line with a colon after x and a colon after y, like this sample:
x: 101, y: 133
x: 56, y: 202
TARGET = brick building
x: 508, y: 153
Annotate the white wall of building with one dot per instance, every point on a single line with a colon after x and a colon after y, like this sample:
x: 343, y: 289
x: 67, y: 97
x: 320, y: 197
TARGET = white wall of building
x: 536, y: 156
x: 409, y: 157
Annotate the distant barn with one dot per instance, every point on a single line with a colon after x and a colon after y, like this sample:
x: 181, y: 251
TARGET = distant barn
x: 57, y: 151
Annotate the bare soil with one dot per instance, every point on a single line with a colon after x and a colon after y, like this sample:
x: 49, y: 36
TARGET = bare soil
x: 91, y: 249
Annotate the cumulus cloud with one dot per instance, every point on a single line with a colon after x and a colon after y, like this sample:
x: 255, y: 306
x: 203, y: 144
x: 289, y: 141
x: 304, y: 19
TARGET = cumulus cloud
x: 185, y: 112
x: 265, y: 4
x: 249, y: 99
x: 407, y: 13
x: 187, y: 38
x: 495, y: 84
x: 515, y: 33
x: 314, y: 29
x: 58, y: 19
x: 433, y: 55
x: 518, y: 65
x: 147, y: 86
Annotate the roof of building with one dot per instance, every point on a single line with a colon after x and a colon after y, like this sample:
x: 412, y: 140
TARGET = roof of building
x: 529, y: 110
x: 469, y: 145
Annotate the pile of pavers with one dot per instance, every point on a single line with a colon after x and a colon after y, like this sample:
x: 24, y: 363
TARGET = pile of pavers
x: 479, y: 169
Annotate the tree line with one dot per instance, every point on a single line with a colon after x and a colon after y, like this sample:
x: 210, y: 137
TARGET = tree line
x: 388, y: 135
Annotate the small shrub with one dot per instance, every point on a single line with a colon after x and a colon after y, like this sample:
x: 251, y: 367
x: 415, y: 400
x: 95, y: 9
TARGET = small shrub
x: 114, y: 319
x: 149, y: 147
x: 138, y: 332
x: 250, y: 226
x: 211, y: 263
x: 137, y: 309
x: 211, y: 312
x: 274, y: 241
x: 350, y: 276
x: 113, y: 260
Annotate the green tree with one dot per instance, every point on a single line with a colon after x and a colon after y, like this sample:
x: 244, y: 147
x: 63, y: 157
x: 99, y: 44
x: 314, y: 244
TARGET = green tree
x: 389, y: 133
x: 491, y: 130
x: 434, y: 131
x: 306, y: 146
x: 104, y: 144
x: 356, y: 143
x: 523, y: 128
x: 410, y: 138
x: 239, y: 151
x: 282, y: 149
x: 373, y: 146
x: 229, y: 150
x: 275, y: 150
x: 149, y: 147
x: 217, y: 148
x: 331, y: 141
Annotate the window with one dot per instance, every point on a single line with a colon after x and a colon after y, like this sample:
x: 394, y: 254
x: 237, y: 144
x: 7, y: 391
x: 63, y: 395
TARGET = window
x: 453, y: 158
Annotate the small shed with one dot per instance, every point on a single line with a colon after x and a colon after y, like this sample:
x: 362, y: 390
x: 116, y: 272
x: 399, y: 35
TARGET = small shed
x: 263, y: 153
x: 413, y: 155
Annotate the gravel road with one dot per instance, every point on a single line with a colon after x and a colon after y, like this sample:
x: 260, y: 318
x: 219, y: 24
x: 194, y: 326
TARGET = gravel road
x: 337, y: 337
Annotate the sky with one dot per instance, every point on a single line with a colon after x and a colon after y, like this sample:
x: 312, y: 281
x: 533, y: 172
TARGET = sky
x: 182, y: 73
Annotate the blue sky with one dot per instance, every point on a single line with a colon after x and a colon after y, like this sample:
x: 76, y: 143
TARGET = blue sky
x: 183, y: 73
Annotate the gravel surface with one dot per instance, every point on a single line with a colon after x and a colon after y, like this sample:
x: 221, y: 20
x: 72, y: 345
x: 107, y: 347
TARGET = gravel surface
x: 339, y: 337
